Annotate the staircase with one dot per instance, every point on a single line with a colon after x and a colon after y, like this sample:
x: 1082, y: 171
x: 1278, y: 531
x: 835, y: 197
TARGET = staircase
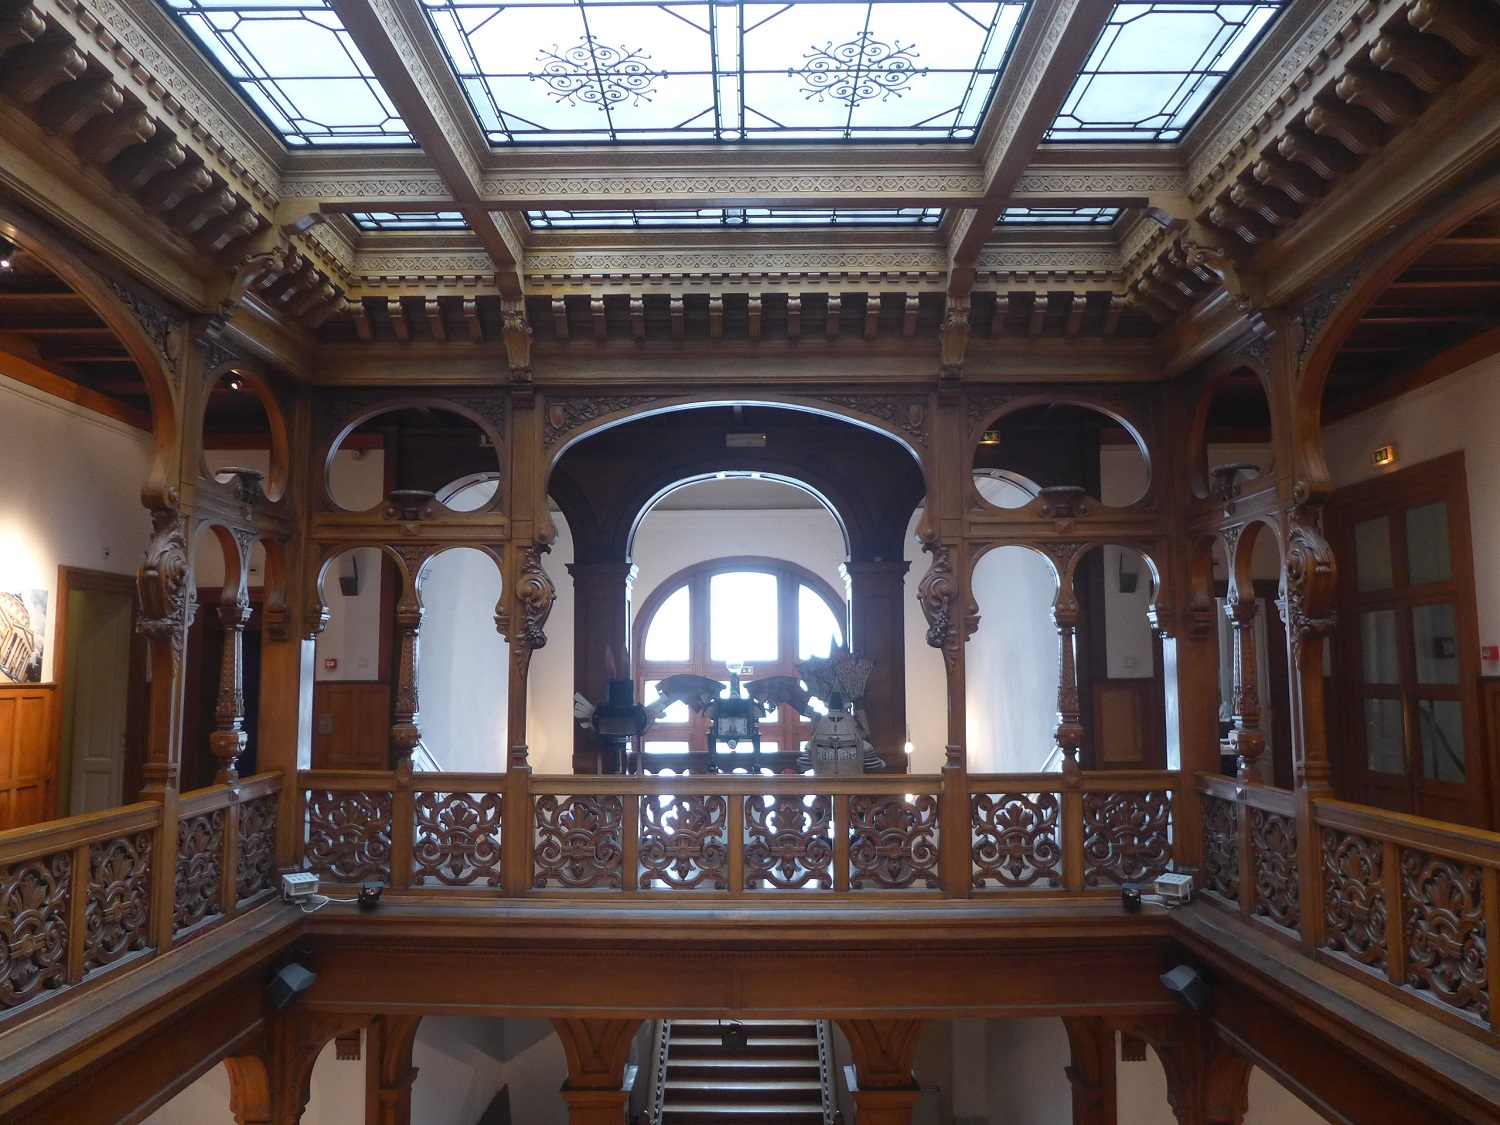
x: 778, y: 1079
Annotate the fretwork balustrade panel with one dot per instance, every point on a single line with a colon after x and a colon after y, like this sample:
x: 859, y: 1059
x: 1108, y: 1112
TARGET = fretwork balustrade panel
x: 1016, y: 840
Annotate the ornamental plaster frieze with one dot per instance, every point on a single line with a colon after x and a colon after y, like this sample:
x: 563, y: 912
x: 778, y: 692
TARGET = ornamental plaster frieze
x: 1111, y: 182
x: 1049, y: 259
x: 869, y: 183
x: 1342, y: 29
x: 414, y: 188
x: 734, y: 261
x: 332, y: 250
x: 132, y: 53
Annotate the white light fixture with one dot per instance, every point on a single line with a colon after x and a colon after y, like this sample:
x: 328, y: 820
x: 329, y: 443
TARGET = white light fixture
x: 7, y: 254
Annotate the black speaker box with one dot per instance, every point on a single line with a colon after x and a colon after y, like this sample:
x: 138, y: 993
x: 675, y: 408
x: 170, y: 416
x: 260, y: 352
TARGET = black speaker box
x: 287, y: 986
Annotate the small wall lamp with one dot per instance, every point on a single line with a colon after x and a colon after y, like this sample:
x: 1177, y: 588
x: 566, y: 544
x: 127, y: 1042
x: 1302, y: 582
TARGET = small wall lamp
x: 7, y: 254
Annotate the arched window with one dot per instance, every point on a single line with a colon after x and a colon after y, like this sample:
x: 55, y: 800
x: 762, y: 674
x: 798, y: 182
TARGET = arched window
x: 764, y: 613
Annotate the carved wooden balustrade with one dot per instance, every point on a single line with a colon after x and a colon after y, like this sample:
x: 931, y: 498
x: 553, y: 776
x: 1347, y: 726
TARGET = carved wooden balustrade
x: 1405, y: 904
x: 81, y: 897
x: 726, y: 833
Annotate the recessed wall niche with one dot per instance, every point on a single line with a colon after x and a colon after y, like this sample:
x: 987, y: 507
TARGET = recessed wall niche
x: 1051, y: 445
x: 424, y: 448
x: 243, y: 427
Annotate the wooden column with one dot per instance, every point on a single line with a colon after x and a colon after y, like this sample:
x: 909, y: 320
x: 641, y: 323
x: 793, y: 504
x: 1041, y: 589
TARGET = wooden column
x: 601, y: 624
x: 1091, y: 1070
x: 1069, y: 729
x: 228, y: 738
x: 597, y: 1051
x: 877, y: 631
x: 406, y: 710
x: 1246, y: 736
x: 883, y: 1051
x: 389, y: 1073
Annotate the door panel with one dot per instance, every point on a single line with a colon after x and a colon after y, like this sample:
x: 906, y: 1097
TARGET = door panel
x: 1407, y: 661
x: 98, y: 673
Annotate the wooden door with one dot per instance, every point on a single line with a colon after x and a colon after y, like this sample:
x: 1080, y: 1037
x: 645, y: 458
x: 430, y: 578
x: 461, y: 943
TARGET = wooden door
x: 1407, y: 651
x: 26, y: 767
x: 96, y: 697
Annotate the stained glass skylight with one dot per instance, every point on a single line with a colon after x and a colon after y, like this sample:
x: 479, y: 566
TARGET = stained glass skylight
x: 718, y: 217
x: 1155, y: 66
x: 409, y: 220
x: 297, y: 65
x: 684, y: 70
x: 1061, y: 216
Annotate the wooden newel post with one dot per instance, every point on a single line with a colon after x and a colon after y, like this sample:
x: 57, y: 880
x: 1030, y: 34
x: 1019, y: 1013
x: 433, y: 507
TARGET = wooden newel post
x: 228, y: 738
x: 1246, y: 737
x: 1069, y: 729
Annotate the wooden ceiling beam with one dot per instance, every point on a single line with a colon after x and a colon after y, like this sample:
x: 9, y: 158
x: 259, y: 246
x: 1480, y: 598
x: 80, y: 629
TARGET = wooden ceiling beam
x: 1054, y: 42
x: 405, y: 59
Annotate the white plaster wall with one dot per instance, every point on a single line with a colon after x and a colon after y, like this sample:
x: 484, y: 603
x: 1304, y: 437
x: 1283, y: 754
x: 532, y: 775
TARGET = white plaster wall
x: 462, y: 1062
x: 205, y: 1102
x: 549, y: 713
x: 1458, y: 413
x: 1141, y: 1089
x: 352, y: 635
x: 1011, y: 663
x: 71, y: 496
x: 463, y: 667
x: 1024, y: 1061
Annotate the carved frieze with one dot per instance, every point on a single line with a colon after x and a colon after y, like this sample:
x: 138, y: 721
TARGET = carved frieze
x: 162, y: 328
x: 906, y: 413
x: 166, y: 593
x: 564, y: 415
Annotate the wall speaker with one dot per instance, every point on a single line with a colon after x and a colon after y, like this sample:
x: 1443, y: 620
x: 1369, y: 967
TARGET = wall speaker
x: 1189, y: 986
x: 287, y: 986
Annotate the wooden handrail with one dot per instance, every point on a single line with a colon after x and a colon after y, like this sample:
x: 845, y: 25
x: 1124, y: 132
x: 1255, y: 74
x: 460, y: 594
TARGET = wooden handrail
x: 1472, y: 845
x: 20, y: 844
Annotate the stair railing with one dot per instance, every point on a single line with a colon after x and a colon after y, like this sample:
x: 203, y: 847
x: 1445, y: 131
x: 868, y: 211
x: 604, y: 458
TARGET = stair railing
x: 825, y: 1073
x: 659, y: 1083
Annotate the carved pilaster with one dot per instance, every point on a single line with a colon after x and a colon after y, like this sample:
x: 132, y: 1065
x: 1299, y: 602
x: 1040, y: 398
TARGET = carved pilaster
x: 534, y: 595
x: 1246, y: 736
x: 228, y: 739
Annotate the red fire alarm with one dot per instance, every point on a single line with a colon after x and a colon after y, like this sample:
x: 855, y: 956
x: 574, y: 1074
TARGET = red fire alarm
x: 330, y: 663
x: 1489, y: 652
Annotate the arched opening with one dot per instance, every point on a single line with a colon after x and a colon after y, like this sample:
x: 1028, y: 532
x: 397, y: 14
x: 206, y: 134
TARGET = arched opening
x: 463, y: 663
x: 1232, y: 435
x: 1010, y: 664
x: 243, y: 426
x: 413, y: 449
x: 1059, y: 445
x: 352, y: 672
x: 481, y: 1068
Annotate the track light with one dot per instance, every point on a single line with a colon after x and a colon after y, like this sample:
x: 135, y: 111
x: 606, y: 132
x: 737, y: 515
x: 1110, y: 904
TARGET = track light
x: 7, y: 254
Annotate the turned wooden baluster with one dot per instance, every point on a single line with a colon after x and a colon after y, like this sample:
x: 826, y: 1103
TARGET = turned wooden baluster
x: 228, y: 738
x: 1069, y: 729
x: 405, y: 733
x: 1246, y: 737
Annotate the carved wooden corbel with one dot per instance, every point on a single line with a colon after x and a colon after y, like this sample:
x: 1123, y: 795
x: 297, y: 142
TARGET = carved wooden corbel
x: 953, y: 339
x: 167, y: 601
x: 937, y: 593
x: 517, y: 335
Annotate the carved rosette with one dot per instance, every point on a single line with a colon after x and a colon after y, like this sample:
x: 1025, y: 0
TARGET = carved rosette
x: 1015, y: 840
x: 787, y: 842
x: 457, y: 840
x: 893, y: 842
x: 578, y: 842
x: 1273, y: 853
x: 34, y: 927
x: 349, y: 835
x: 1354, y: 897
x: 684, y: 842
x: 167, y: 601
x: 1221, y: 847
x: 1127, y: 837
x: 1447, y: 953
x: 119, y: 899
x: 256, y: 866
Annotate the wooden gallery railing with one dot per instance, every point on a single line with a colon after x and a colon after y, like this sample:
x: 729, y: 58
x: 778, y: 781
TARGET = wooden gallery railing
x: 83, y: 896
x: 1406, y: 904
x: 731, y: 834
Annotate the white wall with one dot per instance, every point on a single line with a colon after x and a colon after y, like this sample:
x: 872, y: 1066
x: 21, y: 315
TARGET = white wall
x: 549, y: 713
x: 1458, y: 413
x: 463, y: 664
x: 462, y: 1062
x: 1010, y: 664
x: 71, y: 495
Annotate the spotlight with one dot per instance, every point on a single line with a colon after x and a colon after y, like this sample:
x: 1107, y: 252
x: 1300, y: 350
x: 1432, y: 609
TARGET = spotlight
x: 1189, y: 986
x: 287, y: 986
x: 369, y: 895
x: 1130, y: 897
x: 7, y: 254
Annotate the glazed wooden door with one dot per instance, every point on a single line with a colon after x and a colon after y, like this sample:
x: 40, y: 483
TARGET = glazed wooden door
x: 1408, y: 649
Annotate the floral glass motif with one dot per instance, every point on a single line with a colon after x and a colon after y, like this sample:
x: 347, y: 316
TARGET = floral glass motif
x: 1155, y: 66
x: 738, y: 217
x: 685, y: 70
x: 297, y: 65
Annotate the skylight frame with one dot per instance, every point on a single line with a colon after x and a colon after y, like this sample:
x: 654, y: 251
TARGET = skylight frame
x: 276, y: 98
x: 737, y: 218
x: 609, y: 86
x: 1197, y: 84
x: 377, y: 222
x: 1054, y: 217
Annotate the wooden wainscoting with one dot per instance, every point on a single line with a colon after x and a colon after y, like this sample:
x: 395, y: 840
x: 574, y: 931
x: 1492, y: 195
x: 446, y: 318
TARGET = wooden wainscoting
x: 351, y: 725
x: 27, y: 767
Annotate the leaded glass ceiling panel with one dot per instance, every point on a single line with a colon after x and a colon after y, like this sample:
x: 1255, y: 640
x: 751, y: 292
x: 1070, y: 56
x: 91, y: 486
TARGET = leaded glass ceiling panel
x: 1061, y: 216
x: 297, y: 65
x: 409, y: 220
x: 1155, y: 66
x: 719, y: 217
x: 622, y: 70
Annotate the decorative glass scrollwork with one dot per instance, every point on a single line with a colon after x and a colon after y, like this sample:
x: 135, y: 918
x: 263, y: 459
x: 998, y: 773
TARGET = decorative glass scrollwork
x: 597, y: 75
x: 857, y: 70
